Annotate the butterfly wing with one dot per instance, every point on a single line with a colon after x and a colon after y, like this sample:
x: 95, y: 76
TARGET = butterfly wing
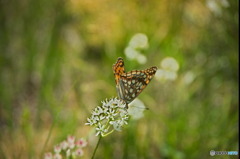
x: 131, y: 84
x: 118, y: 69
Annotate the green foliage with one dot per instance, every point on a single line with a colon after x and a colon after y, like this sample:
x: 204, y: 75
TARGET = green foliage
x: 56, y: 62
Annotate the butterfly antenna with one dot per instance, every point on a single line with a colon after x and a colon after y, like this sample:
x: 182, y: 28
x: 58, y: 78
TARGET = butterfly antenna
x: 146, y: 108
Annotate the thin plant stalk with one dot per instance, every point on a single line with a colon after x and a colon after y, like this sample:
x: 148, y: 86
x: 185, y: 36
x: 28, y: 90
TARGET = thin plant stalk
x: 48, y: 137
x: 55, y: 119
x: 100, y: 137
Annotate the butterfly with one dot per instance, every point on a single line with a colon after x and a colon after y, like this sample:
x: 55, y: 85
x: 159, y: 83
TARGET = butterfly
x: 130, y: 84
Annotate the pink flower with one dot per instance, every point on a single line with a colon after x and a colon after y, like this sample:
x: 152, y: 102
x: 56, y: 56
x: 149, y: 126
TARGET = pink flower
x: 79, y: 152
x: 64, y: 145
x: 71, y: 140
x: 48, y: 155
x: 57, y: 149
x: 69, y: 148
x: 81, y: 143
x: 57, y: 156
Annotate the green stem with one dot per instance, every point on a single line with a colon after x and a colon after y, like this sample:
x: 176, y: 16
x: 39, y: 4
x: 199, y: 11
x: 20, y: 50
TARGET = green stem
x: 96, y: 147
x: 48, y: 137
x: 64, y: 97
x: 108, y: 133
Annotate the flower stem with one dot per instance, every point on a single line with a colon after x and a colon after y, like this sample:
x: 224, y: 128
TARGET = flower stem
x: 108, y: 133
x: 48, y: 137
x: 100, y: 137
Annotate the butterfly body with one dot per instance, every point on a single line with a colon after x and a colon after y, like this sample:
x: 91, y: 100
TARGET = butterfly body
x: 130, y: 84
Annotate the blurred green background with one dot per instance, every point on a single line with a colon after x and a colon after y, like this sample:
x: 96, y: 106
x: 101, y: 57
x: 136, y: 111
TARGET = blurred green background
x: 56, y: 62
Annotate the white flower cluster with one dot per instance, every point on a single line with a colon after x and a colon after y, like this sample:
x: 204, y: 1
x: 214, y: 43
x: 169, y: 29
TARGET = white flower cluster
x: 69, y: 148
x: 138, y: 42
x: 111, y: 115
x: 168, y: 71
x: 217, y: 6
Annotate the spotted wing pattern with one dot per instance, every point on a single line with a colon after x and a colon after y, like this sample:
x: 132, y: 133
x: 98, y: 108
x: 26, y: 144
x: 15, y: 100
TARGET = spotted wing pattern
x: 129, y: 85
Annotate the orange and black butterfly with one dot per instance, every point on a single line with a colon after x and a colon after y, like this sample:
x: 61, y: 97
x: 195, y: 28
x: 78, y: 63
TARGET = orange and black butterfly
x: 130, y: 84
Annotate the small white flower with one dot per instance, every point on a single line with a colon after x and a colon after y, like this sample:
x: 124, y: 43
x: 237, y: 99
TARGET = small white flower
x: 100, y: 129
x: 57, y: 149
x: 97, y: 111
x: 139, y: 40
x: 96, y: 118
x: 71, y: 142
x: 117, y: 126
x: 170, y: 64
x: 160, y: 75
x: 81, y: 143
x: 101, y: 117
x: 71, y: 139
x: 141, y: 59
x: 71, y: 145
x: 125, y: 119
x: 123, y: 112
x: 171, y: 76
x: 188, y: 78
x: 168, y: 71
x: 91, y: 121
x: 131, y: 53
x: 57, y: 156
x: 79, y: 152
x: 216, y: 6
x: 48, y: 155
x: 112, y: 122
x: 121, y: 105
x: 111, y: 104
x: 68, y: 152
x: 165, y: 75
x: 113, y: 116
x: 67, y: 148
x: 133, y: 50
x: 64, y: 145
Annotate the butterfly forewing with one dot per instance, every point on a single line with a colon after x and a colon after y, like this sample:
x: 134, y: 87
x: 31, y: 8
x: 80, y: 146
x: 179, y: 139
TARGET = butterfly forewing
x: 118, y: 69
x: 129, y: 85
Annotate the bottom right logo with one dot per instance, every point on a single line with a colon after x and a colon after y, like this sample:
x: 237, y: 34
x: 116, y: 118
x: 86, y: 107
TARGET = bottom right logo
x: 213, y: 153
